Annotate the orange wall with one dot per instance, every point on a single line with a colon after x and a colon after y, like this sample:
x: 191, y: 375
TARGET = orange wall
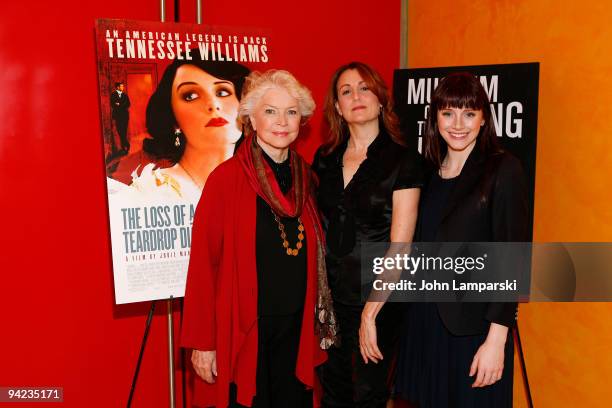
x: 568, y: 347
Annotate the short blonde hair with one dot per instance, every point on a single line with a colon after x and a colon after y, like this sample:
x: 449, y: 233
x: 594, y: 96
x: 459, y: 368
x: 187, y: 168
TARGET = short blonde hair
x: 257, y: 84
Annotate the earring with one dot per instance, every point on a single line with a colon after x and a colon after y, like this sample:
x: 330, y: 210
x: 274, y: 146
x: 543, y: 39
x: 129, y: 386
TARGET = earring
x: 177, y: 140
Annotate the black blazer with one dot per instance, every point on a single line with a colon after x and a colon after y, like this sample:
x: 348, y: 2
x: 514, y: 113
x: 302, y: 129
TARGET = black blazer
x: 120, y: 110
x: 488, y: 204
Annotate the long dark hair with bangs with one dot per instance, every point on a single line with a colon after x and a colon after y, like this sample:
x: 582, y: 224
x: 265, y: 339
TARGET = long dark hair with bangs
x: 338, y: 129
x: 459, y: 90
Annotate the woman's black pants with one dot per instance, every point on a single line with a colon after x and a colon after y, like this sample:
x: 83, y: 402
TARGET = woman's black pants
x: 277, y: 385
x: 347, y: 381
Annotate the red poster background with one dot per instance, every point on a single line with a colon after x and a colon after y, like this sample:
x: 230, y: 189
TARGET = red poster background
x: 59, y: 324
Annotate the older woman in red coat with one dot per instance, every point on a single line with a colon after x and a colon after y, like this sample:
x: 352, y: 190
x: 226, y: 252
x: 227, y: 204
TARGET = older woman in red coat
x: 258, y: 310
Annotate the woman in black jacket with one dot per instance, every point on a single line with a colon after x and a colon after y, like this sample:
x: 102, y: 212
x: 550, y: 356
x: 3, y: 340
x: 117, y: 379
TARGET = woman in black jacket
x: 461, y: 354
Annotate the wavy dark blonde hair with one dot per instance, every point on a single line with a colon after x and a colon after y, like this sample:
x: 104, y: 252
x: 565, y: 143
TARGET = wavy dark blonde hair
x: 338, y: 128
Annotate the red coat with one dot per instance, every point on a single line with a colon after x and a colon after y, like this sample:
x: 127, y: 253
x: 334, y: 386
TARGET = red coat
x: 220, y: 310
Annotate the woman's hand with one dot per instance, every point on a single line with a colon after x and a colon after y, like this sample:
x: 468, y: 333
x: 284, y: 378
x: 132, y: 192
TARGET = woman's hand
x: 488, y: 362
x: 368, y: 345
x: 205, y: 364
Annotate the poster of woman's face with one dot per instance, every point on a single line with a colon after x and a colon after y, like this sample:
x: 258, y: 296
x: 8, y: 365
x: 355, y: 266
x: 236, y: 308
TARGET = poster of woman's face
x: 205, y: 108
x: 191, y: 126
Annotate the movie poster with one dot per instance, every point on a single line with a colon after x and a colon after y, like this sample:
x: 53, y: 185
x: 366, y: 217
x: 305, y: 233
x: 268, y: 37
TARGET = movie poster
x: 512, y: 91
x: 169, y: 96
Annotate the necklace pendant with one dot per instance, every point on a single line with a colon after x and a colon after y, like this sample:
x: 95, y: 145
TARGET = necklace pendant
x: 281, y: 227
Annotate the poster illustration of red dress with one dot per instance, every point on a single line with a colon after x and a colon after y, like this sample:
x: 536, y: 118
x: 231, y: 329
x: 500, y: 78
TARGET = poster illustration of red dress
x: 169, y: 96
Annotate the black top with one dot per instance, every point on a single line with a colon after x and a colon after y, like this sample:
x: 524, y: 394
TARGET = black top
x: 281, y: 278
x: 434, y: 199
x: 362, y: 211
